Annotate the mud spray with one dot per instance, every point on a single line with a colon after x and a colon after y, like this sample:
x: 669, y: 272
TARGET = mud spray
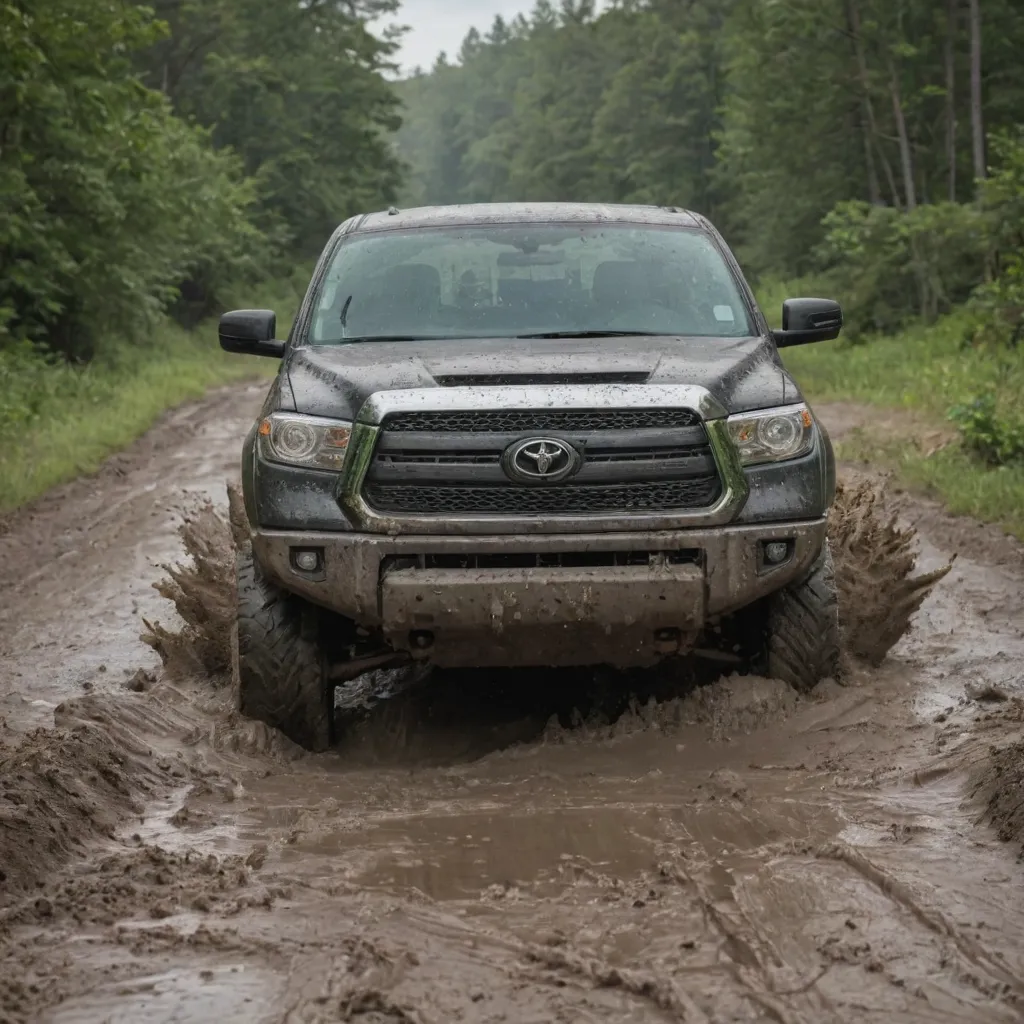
x: 732, y: 851
x: 879, y: 594
x: 874, y: 557
x: 58, y: 790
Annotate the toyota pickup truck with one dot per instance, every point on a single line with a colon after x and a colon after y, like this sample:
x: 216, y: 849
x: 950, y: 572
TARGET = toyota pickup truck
x: 528, y: 435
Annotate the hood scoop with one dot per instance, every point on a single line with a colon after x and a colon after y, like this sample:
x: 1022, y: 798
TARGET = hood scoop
x: 456, y: 380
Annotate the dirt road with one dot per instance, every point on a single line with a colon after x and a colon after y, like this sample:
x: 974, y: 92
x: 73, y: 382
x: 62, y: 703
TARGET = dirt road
x: 494, y: 847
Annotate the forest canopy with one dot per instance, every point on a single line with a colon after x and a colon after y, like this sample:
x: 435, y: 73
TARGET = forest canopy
x: 151, y: 155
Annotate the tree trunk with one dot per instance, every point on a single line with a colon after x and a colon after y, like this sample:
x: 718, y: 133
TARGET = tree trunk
x: 906, y: 157
x: 874, y: 190
x: 951, y: 27
x: 977, y: 119
x: 871, y: 138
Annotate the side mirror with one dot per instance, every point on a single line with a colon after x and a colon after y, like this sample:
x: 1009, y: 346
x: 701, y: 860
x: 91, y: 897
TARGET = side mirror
x: 807, y: 320
x: 251, y: 332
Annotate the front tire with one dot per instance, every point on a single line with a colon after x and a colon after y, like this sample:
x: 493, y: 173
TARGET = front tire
x: 803, y: 641
x: 281, y: 676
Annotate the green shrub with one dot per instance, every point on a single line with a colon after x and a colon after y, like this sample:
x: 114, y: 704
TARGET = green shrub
x: 110, y: 201
x: 1000, y: 300
x: 889, y: 266
x: 28, y: 382
x: 996, y: 437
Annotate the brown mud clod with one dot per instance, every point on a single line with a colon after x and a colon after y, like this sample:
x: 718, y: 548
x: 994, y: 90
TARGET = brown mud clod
x: 60, y: 789
x: 998, y: 786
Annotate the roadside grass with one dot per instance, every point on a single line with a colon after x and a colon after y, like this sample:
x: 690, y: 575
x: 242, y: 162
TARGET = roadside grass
x: 925, y: 371
x: 964, y: 485
x: 72, y: 418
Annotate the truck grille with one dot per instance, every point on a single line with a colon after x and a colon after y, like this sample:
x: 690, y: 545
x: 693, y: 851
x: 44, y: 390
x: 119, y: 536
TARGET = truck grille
x: 520, y: 501
x: 533, y: 421
x: 634, y: 461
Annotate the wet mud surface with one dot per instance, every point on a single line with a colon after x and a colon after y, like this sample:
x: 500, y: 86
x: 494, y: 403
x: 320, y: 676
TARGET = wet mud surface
x: 520, y: 847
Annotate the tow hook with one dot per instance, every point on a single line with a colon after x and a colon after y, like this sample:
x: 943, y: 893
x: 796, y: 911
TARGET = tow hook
x: 421, y: 641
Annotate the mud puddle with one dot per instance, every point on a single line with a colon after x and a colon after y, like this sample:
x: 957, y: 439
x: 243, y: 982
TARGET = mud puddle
x: 498, y: 847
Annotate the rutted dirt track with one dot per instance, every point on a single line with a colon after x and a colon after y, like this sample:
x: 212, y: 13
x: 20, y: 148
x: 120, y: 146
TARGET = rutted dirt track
x: 494, y: 847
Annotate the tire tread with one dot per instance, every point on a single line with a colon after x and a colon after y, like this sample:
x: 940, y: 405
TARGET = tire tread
x: 803, y: 628
x: 280, y: 665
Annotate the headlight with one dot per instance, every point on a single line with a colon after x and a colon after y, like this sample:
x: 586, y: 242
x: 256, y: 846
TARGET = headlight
x: 298, y: 440
x: 772, y: 435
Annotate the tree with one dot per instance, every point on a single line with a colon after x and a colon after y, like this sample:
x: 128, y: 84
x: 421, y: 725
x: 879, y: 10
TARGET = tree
x: 952, y: 12
x: 298, y: 92
x: 977, y: 115
x: 109, y: 200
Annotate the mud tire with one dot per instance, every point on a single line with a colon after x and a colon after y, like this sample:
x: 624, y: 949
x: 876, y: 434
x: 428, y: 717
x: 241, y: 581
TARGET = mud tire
x: 280, y: 660
x: 803, y: 642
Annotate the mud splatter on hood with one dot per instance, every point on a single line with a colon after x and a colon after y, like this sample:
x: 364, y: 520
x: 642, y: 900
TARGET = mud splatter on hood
x: 742, y: 373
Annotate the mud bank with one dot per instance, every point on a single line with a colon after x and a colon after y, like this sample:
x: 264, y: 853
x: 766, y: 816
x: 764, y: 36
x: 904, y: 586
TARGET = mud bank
x: 498, y: 846
x: 62, y: 788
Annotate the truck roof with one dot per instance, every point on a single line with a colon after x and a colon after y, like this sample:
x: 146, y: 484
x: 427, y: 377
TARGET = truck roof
x: 527, y: 213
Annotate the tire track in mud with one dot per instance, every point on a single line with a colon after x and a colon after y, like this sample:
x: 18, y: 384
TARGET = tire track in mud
x: 480, y: 851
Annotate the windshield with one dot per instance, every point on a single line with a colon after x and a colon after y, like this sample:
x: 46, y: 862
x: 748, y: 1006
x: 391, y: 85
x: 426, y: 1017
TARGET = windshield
x: 527, y: 280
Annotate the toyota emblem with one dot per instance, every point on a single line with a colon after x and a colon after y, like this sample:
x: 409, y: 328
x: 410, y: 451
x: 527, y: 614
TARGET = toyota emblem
x: 540, y: 460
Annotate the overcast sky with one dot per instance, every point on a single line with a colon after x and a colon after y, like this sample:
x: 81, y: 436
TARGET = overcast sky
x: 436, y: 25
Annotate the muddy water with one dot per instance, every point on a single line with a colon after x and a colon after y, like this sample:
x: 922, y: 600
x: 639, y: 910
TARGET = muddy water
x: 495, y: 846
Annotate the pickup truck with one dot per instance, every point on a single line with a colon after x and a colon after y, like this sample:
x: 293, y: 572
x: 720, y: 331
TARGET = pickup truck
x: 528, y: 435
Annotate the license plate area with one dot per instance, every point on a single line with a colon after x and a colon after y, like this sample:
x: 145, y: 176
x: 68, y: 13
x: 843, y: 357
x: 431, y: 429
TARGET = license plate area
x: 655, y: 597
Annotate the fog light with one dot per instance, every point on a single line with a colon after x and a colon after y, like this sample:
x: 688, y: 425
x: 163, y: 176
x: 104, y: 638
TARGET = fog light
x: 775, y: 551
x: 307, y: 561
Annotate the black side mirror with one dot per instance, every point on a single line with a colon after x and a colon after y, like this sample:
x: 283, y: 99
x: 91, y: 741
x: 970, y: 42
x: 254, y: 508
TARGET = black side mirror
x: 251, y: 332
x: 807, y: 320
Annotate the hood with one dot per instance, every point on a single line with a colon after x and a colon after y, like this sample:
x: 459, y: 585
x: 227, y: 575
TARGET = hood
x: 335, y: 380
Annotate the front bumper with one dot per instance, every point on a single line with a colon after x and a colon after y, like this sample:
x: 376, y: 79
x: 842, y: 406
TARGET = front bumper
x: 568, y: 599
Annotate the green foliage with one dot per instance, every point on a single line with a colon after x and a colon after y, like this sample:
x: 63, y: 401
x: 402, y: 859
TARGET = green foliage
x: 59, y: 420
x: 833, y: 101
x: 1001, y: 299
x: 789, y: 146
x: 150, y: 158
x: 109, y: 200
x: 31, y: 383
x: 74, y: 417
x: 298, y: 92
x: 997, y: 438
x: 890, y: 266
x: 566, y: 104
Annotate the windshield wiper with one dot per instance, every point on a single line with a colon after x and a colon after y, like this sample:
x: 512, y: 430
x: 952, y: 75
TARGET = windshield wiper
x: 394, y: 337
x: 592, y: 334
x: 542, y: 334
